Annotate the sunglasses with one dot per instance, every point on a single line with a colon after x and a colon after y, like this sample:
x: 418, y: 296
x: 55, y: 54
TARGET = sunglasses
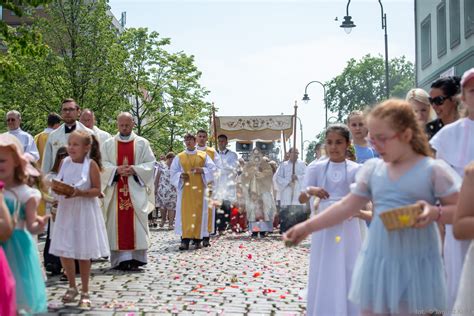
x: 439, y: 100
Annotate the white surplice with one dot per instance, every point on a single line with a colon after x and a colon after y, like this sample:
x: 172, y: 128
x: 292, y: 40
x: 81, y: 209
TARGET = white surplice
x: 454, y: 143
x: 289, y: 191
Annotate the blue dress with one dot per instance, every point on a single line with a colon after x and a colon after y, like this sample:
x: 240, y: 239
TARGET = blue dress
x: 364, y: 153
x: 22, y: 255
x: 402, y: 270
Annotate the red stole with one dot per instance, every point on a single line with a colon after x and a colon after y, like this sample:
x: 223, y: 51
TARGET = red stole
x: 125, y: 211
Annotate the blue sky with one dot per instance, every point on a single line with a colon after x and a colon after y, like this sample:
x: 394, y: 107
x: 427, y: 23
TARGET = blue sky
x: 257, y: 56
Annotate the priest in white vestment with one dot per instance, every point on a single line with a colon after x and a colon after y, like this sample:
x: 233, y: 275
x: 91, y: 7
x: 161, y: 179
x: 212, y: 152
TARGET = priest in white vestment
x: 225, y: 187
x: 13, y: 119
x: 289, y: 185
x: 59, y: 137
x: 201, y: 139
x: 88, y: 119
x: 191, y: 171
x: 128, y: 186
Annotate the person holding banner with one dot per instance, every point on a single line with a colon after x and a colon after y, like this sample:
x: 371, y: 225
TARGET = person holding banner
x: 289, y: 181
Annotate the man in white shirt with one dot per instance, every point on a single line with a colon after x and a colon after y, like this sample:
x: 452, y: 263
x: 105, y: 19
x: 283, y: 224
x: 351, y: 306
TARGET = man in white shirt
x: 13, y: 119
x: 225, y: 188
x: 289, y: 184
x: 88, y: 119
x: 58, y: 138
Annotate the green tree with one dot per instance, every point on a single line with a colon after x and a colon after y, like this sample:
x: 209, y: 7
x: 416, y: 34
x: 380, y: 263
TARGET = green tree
x: 362, y: 84
x: 164, y: 90
x: 21, y: 40
x: 84, y: 61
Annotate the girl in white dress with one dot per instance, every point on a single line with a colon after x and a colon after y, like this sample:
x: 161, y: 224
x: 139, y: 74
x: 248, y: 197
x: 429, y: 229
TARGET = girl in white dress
x: 334, y: 250
x: 454, y: 143
x: 80, y: 231
x: 463, y: 226
x: 464, y: 229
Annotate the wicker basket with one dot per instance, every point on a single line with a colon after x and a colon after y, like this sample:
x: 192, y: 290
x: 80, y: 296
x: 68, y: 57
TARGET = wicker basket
x: 61, y: 188
x: 401, y: 217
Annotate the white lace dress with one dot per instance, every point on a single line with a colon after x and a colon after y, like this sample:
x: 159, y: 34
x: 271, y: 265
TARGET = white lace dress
x: 79, y: 230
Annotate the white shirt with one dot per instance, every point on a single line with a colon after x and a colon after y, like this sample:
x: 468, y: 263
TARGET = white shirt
x: 27, y: 141
x: 227, y: 175
x: 288, y: 193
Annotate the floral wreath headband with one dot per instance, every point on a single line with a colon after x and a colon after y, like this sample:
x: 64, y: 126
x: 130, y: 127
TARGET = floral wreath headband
x: 10, y: 141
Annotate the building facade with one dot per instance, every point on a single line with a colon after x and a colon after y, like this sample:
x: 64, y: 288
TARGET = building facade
x: 444, y: 39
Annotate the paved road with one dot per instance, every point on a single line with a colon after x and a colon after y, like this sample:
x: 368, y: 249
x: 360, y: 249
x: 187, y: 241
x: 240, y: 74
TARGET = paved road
x: 237, y: 275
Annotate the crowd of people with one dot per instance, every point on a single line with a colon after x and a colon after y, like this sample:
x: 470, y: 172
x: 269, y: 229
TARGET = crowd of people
x: 97, y: 196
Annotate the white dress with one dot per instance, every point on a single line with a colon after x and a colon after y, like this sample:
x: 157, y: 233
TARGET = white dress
x: 454, y: 144
x: 464, y: 302
x: 79, y: 230
x: 333, y: 250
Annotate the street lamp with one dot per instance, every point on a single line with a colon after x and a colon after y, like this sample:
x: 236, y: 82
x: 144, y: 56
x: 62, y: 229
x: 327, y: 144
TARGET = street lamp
x: 348, y: 25
x: 306, y: 98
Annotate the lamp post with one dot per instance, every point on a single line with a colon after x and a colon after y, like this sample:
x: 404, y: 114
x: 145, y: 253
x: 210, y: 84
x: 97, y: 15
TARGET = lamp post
x: 348, y: 24
x: 306, y: 98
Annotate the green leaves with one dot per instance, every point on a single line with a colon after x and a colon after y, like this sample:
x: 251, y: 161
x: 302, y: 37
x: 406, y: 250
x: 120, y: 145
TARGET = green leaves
x: 362, y: 84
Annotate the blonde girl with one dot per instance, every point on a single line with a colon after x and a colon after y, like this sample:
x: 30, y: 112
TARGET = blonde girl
x: 358, y: 129
x: 79, y: 231
x: 20, y: 249
x: 397, y: 272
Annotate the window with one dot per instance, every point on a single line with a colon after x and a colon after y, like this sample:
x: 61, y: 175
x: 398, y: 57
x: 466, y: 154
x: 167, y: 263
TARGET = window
x: 454, y: 23
x: 426, y: 42
x: 468, y: 18
x: 441, y: 28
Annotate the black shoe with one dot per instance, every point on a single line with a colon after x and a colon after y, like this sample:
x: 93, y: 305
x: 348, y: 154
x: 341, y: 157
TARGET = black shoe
x: 197, y: 245
x: 184, y: 244
x: 254, y: 234
x: 263, y: 234
x: 205, y: 242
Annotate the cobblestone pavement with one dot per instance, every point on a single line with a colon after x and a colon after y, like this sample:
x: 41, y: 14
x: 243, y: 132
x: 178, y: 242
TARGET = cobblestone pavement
x: 237, y: 275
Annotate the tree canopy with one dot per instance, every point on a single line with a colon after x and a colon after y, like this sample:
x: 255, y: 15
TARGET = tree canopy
x: 362, y: 84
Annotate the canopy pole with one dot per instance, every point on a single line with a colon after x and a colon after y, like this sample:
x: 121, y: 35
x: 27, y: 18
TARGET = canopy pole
x: 214, y: 125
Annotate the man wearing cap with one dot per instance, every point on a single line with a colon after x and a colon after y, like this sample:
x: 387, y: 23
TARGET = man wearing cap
x: 13, y: 119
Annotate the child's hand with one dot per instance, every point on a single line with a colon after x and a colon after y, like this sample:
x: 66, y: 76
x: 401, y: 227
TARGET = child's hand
x: 296, y: 234
x: 319, y: 192
x: 42, y: 221
x: 74, y: 194
x: 427, y: 216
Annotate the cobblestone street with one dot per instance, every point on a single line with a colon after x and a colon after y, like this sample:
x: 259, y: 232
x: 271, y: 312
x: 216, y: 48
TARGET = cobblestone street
x: 237, y: 275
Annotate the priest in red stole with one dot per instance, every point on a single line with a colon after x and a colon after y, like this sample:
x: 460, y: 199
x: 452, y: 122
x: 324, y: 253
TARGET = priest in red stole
x: 191, y: 171
x: 127, y: 183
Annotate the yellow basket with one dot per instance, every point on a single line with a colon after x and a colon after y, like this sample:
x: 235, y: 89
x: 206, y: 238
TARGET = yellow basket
x: 401, y: 217
x: 61, y: 188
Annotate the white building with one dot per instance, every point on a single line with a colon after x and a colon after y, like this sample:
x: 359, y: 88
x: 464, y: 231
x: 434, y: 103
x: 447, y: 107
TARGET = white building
x: 444, y: 39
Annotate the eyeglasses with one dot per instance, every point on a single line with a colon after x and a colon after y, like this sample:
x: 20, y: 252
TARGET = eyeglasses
x: 11, y: 120
x: 68, y: 110
x: 439, y: 100
x: 380, y: 141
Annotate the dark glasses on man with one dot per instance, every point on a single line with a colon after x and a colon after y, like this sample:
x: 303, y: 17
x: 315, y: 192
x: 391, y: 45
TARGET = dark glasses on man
x: 439, y: 100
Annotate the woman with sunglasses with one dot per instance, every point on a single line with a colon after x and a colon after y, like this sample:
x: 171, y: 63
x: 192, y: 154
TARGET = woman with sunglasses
x: 454, y: 144
x: 443, y: 99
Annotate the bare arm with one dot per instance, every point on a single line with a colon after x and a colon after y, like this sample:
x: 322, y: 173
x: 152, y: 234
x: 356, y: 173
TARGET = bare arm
x: 336, y: 213
x: 6, y: 222
x: 463, y: 225
x: 34, y: 223
x: 94, y: 190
